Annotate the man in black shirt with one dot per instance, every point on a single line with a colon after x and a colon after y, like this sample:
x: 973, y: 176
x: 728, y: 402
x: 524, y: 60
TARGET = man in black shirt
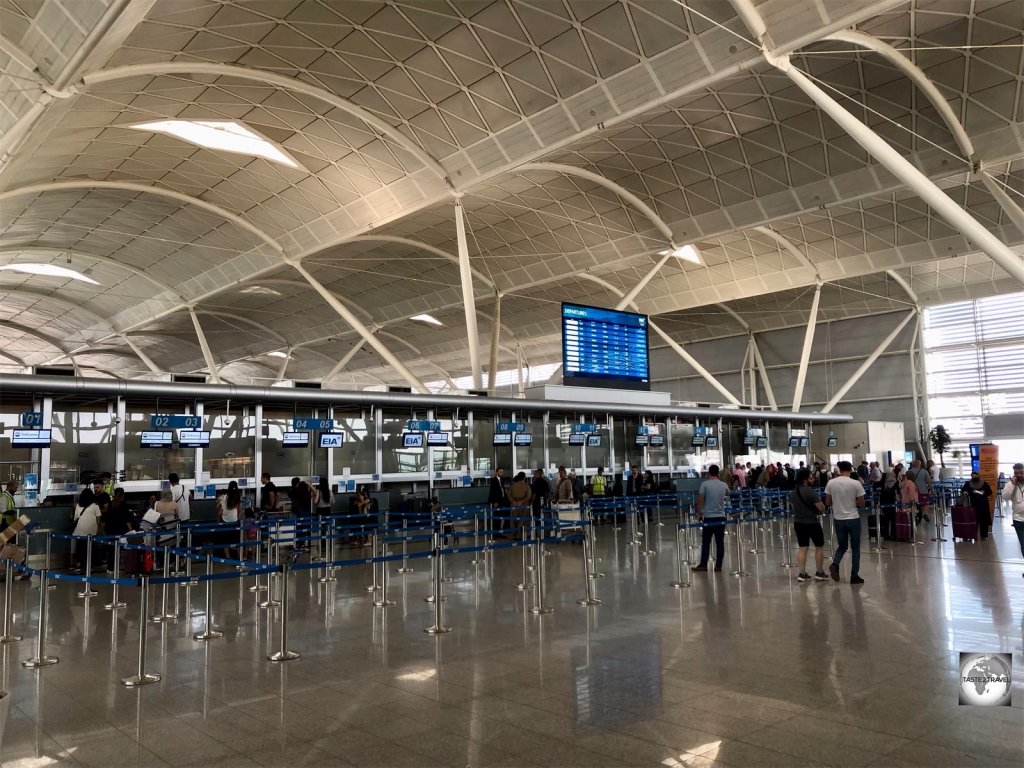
x: 102, y: 500
x: 541, y: 491
x: 498, y: 499
x: 268, y: 494
x: 807, y: 505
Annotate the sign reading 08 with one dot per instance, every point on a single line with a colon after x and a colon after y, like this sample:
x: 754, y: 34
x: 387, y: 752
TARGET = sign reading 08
x: 165, y: 421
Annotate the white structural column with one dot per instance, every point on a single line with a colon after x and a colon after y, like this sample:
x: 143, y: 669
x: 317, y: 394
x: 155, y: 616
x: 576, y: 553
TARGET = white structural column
x: 340, y: 365
x: 468, y: 298
x: 765, y: 381
x: 692, y: 362
x: 863, y: 367
x: 367, y: 335
x: 492, y: 365
x: 628, y: 298
x: 805, y: 353
x: 1009, y: 206
x: 905, y: 171
x: 284, y: 365
x: 146, y: 359
x: 207, y: 354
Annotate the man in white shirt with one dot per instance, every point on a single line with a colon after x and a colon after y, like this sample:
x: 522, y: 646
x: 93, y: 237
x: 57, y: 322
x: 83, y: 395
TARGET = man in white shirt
x: 179, y: 495
x: 846, y: 497
x: 1013, y: 492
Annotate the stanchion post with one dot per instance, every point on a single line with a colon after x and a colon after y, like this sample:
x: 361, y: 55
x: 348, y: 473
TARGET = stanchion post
x: 142, y: 677
x: 209, y: 633
x: 590, y: 599
x: 382, y: 601
x: 164, y: 615
x: 87, y: 590
x: 188, y: 560
x: 739, y: 552
x: 539, y: 608
x: 7, y: 637
x: 681, y: 582
x: 115, y: 601
x: 787, y: 538
x: 49, y: 539
x: 41, y: 659
x: 645, y: 552
x: 526, y: 531
x: 270, y: 602
x: 283, y: 654
x: 479, y: 558
x: 438, y: 627
x: 177, y: 547
x: 592, y: 534
x: 258, y: 586
x: 374, y: 538
x: 405, y: 546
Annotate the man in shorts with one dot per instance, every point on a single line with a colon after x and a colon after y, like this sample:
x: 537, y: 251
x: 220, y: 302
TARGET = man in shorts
x: 807, y: 506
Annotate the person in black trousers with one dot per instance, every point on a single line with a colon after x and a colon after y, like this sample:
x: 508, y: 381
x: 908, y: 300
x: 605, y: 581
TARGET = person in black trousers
x: 498, y: 499
x: 541, y: 491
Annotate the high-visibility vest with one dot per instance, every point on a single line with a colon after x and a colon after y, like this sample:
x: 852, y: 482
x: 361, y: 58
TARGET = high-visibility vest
x: 597, y: 485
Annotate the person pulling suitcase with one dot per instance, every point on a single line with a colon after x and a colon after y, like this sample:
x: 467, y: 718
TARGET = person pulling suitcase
x: 972, y: 519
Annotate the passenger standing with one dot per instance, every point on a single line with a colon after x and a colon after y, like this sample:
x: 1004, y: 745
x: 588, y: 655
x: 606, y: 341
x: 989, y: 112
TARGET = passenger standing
x: 540, y: 491
x: 846, y: 497
x: 1013, y: 492
x: 935, y: 471
x: 498, y: 499
x: 807, y: 507
x: 978, y: 492
x: 229, y: 509
x: 324, y: 499
x: 711, y: 511
x: 180, y: 494
x: 268, y: 494
x: 599, y: 483
x: 726, y: 476
x: 519, y: 497
x: 922, y: 479
x: 7, y: 505
x: 563, y: 488
x: 741, y: 476
x: 633, y: 481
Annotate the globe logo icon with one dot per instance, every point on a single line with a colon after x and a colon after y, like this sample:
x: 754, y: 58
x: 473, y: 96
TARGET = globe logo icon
x: 985, y: 679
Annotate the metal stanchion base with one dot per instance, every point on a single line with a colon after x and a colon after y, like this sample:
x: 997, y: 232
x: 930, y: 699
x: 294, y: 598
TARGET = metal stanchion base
x: 383, y: 603
x: 740, y: 573
x: 788, y: 565
x: 282, y: 656
x: 4, y: 639
x: 413, y: 570
x: 430, y: 599
x: 371, y: 588
x: 679, y: 585
x: 166, y: 618
x: 542, y: 611
x: 936, y: 539
x: 437, y: 630
x: 756, y: 551
x: 648, y: 553
x: 524, y: 587
x: 210, y: 634
x: 327, y: 579
x: 269, y: 604
x: 115, y: 606
x: 39, y: 661
x: 258, y: 588
x: 136, y: 680
x: 448, y: 580
x: 596, y: 575
x: 87, y: 593
x: 588, y: 601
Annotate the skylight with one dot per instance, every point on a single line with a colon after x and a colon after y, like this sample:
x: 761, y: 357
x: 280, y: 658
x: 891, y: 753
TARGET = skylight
x: 259, y: 290
x: 49, y: 270
x: 277, y: 353
x: 225, y: 135
x: 686, y: 253
x: 428, y: 319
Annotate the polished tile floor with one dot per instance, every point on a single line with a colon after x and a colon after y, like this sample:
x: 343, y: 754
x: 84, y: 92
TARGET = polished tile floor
x: 755, y: 671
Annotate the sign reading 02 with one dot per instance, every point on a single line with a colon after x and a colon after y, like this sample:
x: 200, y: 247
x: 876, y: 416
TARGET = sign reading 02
x: 165, y: 421
x: 312, y: 425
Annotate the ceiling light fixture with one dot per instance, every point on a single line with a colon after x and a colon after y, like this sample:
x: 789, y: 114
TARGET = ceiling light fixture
x: 259, y: 290
x: 49, y: 270
x: 686, y: 253
x: 428, y: 319
x: 225, y: 135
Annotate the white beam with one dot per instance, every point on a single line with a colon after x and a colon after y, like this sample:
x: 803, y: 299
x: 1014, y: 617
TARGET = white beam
x: 628, y: 298
x: 868, y: 362
x: 492, y: 367
x: 345, y: 360
x: 468, y: 298
x: 207, y: 354
x: 765, y: 381
x: 368, y: 336
x: 1009, y: 205
x: 692, y: 362
x: 284, y: 365
x: 902, y: 169
x: 904, y: 284
x: 805, y: 353
x: 146, y: 359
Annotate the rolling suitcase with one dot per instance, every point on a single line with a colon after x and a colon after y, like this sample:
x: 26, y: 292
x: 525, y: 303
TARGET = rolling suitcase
x: 903, y: 524
x: 965, y: 523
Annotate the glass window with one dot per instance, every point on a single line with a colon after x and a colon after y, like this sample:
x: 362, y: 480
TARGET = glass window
x: 657, y: 456
x: 83, y: 438
x: 14, y: 463
x: 560, y: 452
x: 453, y: 456
x: 396, y: 457
x: 153, y: 463
x: 683, y: 452
x: 282, y: 462
x: 359, y: 451
x: 483, y: 442
x: 529, y: 457
x: 600, y: 455
x: 231, y: 454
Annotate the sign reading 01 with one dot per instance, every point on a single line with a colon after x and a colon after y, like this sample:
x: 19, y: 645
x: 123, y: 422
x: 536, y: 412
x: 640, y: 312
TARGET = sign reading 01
x: 32, y: 419
x: 166, y: 421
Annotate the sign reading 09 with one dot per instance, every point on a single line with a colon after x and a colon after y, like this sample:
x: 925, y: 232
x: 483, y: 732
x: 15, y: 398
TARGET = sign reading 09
x: 165, y: 421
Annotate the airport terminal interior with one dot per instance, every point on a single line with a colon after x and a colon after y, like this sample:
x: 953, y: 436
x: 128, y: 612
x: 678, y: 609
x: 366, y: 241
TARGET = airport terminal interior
x: 511, y: 383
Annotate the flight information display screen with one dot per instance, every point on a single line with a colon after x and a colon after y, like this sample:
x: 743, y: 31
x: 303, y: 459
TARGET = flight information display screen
x: 604, y: 347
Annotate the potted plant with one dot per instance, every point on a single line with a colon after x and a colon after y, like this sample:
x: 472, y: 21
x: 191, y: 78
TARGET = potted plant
x: 940, y: 441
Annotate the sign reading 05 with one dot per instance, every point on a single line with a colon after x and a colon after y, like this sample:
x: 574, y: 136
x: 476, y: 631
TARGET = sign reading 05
x: 312, y: 425
x: 163, y: 421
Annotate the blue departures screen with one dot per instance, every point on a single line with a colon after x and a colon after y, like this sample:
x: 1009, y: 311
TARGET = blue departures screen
x: 604, y: 347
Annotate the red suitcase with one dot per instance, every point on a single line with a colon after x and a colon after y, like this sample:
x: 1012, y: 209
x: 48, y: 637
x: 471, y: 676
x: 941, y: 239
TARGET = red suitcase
x: 903, y: 523
x: 965, y: 523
